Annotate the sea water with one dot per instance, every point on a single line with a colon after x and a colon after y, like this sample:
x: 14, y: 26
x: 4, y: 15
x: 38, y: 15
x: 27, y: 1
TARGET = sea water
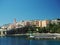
x: 16, y: 40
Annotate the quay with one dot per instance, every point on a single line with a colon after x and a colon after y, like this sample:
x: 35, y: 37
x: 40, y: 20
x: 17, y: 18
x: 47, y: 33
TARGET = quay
x: 45, y: 36
x: 3, y: 32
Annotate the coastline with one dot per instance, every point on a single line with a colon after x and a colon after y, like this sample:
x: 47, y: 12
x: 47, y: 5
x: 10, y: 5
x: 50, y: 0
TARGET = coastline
x: 38, y: 35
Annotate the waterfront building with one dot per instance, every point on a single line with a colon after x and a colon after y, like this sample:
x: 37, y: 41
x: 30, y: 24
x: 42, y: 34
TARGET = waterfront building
x: 20, y: 24
x: 45, y: 23
x: 5, y: 26
x: 56, y: 21
x: 37, y: 23
x: 40, y: 23
x: 11, y: 26
x: 27, y: 23
x: 3, y: 32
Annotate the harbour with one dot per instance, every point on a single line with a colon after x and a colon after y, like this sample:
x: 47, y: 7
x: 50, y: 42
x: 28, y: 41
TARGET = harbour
x: 29, y: 22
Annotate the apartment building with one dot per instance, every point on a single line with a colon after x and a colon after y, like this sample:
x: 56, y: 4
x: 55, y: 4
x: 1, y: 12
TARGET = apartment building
x: 37, y: 23
x: 45, y: 23
x: 56, y: 21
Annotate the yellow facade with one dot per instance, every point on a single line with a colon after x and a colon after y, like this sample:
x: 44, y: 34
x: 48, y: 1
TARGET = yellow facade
x: 45, y: 23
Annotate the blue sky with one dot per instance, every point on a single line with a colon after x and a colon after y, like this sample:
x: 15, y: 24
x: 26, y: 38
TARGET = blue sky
x: 28, y: 10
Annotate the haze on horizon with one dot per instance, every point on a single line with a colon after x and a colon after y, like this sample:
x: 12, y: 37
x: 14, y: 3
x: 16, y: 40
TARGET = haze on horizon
x: 28, y: 10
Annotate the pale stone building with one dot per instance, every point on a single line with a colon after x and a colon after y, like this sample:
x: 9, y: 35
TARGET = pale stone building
x: 56, y: 21
x: 45, y: 23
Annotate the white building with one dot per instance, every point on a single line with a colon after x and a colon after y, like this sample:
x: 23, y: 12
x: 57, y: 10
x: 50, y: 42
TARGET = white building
x: 56, y: 21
